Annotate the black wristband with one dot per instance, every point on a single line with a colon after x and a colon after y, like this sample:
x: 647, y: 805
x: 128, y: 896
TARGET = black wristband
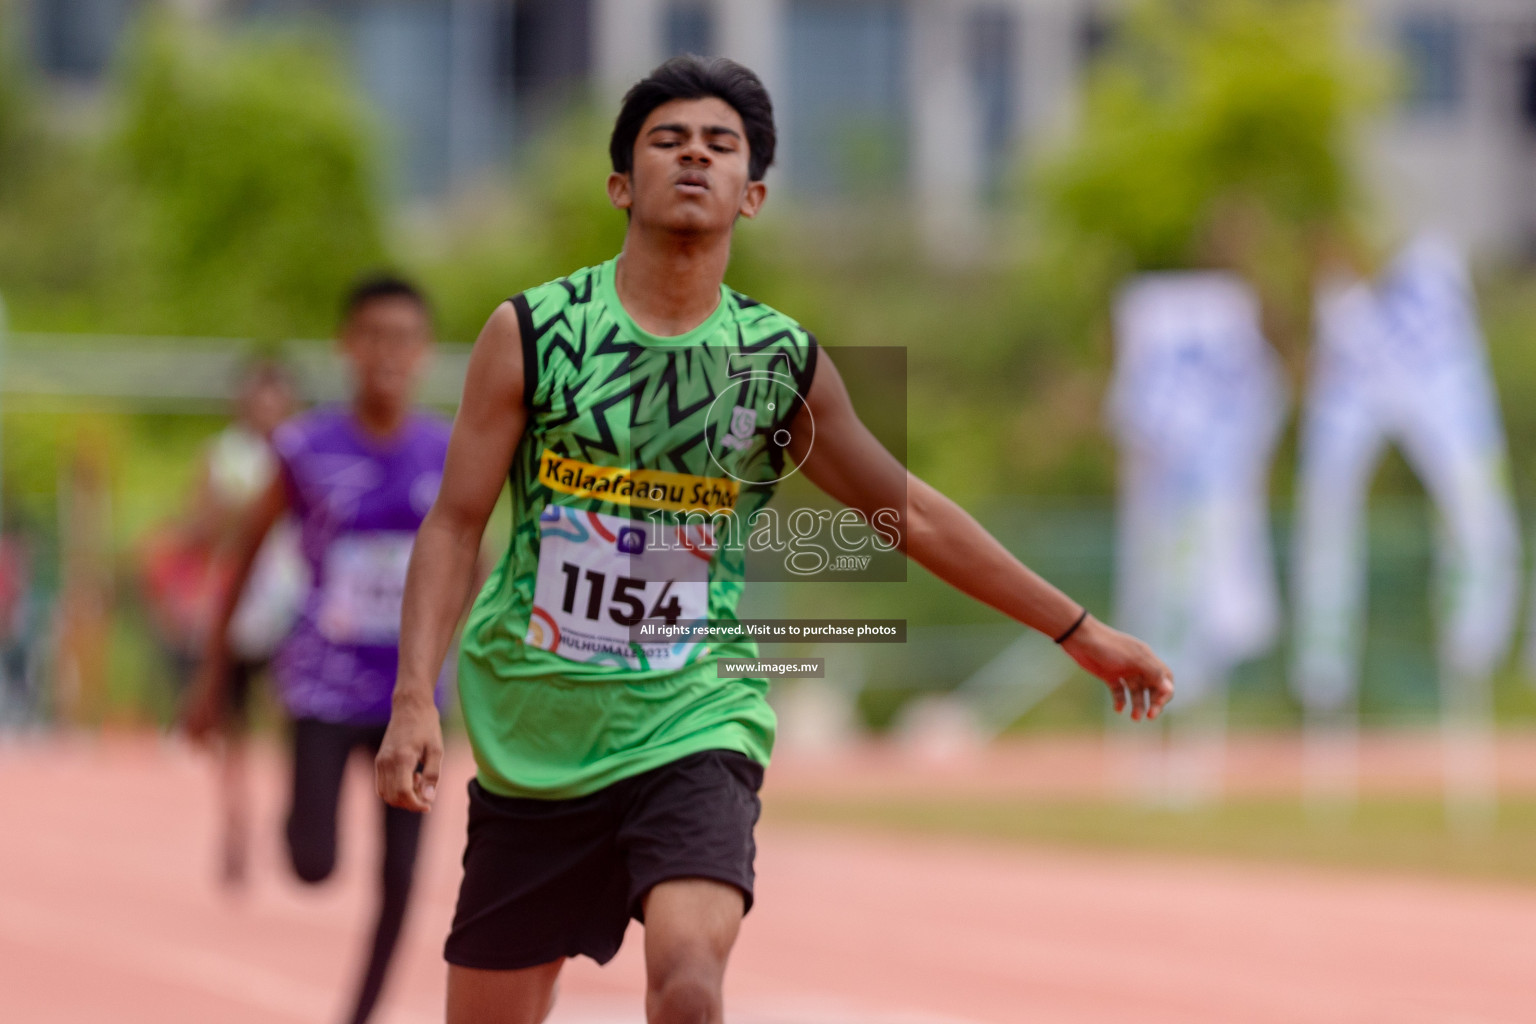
x: 1073, y: 628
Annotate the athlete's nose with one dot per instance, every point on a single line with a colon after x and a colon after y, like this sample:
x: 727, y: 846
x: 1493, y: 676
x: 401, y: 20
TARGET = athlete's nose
x: 696, y: 152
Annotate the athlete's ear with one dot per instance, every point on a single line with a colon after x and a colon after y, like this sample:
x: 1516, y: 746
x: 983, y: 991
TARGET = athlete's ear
x: 619, y: 192
x: 752, y: 200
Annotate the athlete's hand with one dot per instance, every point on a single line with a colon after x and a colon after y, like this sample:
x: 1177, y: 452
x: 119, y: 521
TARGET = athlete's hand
x: 203, y: 711
x: 1127, y: 666
x: 411, y: 756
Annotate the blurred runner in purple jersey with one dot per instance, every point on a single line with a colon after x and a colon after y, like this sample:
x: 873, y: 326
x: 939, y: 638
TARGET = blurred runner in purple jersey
x: 357, y: 481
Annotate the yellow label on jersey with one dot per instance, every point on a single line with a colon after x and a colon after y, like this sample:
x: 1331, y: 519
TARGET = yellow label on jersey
x: 640, y: 488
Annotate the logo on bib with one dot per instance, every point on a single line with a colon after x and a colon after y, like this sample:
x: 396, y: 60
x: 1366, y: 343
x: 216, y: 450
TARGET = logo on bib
x: 542, y: 631
x: 631, y: 541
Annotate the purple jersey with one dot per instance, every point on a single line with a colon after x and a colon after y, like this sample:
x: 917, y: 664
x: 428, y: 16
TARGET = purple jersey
x: 358, y: 501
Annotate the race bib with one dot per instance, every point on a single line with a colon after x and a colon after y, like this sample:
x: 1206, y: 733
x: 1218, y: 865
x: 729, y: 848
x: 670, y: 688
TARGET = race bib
x: 600, y: 575
x: 364, y: 587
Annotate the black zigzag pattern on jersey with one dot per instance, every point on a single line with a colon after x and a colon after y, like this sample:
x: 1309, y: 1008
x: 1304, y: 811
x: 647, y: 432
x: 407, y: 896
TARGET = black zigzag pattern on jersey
x: 588, y: 377
x: 593, y: 379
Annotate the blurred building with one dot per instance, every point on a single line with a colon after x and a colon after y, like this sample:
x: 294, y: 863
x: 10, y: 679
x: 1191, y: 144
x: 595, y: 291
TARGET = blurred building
x: 931, y: 99
x: 1458, y: 154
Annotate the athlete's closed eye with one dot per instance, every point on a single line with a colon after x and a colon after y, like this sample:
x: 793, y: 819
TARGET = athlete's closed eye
x: 719, y: 139
x: 665, y: 136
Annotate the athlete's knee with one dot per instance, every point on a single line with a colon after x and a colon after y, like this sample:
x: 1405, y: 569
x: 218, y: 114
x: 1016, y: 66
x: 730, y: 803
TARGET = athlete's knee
x: 684, y: 984
x: 313, y: 860
x: 690, y: 927
x: 688, y: 994
x: 312, y: 866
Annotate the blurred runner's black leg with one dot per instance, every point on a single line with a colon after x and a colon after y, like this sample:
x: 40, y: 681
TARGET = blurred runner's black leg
x: 402, y: 834
x: 320, y: 751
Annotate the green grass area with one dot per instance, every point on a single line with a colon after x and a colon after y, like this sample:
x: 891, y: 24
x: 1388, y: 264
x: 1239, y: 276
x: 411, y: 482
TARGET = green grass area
x: 1399, y: 835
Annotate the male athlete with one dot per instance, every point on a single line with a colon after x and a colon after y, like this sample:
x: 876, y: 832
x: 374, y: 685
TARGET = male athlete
x: 618, y: 778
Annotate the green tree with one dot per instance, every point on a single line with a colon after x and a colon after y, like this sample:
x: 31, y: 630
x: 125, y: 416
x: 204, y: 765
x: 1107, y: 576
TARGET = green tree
x: 54, y: 204
x: 252, y: 178
x: 550, y: 217
x: 1214, y: 133
x: 1206, y: 103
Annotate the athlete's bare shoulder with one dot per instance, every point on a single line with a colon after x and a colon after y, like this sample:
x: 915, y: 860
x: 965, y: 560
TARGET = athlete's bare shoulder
x: 488, y: 427
x: 502, y: 325
x: 495, y: 373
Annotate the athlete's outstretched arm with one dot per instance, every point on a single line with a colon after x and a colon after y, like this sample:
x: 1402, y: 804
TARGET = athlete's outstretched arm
x: 840, y: 455
x: 485, y: 435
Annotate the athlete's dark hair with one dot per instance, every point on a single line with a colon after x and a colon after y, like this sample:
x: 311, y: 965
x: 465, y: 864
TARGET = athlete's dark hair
x: 693, y: 78
x: 381, y: 286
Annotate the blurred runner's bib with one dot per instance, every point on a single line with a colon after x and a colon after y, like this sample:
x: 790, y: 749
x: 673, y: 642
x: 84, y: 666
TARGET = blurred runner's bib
x: 599, y: 575
x: 364, y: 587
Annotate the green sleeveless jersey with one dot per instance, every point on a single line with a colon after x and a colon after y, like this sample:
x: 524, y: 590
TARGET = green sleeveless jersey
x: 642, y: 462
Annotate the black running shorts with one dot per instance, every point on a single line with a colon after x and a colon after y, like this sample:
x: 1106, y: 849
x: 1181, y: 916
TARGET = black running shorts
x: 547, y: 879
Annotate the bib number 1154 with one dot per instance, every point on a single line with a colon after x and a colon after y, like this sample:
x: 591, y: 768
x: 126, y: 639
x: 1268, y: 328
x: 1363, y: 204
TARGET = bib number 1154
x: 628, y: 602
x: 600, y: 575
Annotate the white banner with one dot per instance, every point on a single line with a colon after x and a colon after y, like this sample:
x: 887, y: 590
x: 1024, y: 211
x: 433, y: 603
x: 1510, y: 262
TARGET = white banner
x: 1197, y: 403
x: 1402, y: 362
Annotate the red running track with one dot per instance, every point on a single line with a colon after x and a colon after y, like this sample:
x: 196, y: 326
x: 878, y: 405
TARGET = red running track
x: 109, y: 912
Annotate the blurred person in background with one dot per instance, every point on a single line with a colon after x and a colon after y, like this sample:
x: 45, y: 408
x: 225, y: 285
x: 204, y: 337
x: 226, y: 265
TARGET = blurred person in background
x: 618, y: 779
x: 185, y: 568
x: 181, y: 578
x: 238, y: 467
x: 357, y: 481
